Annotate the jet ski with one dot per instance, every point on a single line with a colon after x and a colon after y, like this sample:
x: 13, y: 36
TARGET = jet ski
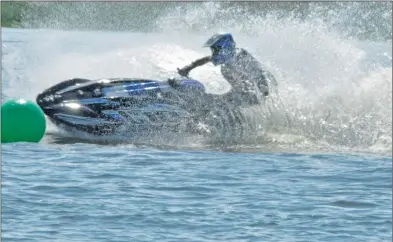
x: 110, y: 106
x: 106, y: 106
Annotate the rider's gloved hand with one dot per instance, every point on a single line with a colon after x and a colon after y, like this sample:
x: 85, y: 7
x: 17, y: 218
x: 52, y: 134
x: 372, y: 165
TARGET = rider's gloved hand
x: 183, y: 71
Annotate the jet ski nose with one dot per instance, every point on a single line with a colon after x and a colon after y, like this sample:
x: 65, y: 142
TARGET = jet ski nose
x: 45, y: 99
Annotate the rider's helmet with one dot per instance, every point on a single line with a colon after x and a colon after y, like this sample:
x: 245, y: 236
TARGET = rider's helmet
x: 223, y: 48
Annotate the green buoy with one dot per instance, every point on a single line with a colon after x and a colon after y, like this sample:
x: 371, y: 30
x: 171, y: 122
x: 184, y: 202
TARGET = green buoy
x: 22, y: 121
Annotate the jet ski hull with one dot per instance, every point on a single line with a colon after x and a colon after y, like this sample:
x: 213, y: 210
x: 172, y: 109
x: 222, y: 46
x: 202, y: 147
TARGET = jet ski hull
x: 105, y: 106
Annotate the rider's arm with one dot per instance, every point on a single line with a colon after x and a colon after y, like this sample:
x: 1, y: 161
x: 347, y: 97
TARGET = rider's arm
x: 185, y: 70
x: 201, y: 61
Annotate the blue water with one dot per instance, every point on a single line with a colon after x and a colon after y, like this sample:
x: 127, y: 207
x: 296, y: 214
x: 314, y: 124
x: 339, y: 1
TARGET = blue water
x: 312, y: 181
x: 84, y: 192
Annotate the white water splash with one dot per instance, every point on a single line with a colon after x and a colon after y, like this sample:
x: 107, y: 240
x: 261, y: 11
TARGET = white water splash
x: 330, y: 95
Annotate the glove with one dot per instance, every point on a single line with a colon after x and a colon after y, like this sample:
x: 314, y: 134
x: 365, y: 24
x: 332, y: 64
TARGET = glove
x: 183, y: 71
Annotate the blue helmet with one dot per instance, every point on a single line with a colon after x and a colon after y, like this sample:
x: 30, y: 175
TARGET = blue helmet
x: 223, y: 48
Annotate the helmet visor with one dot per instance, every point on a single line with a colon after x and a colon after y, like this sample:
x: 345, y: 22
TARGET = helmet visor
x: 210, y: 42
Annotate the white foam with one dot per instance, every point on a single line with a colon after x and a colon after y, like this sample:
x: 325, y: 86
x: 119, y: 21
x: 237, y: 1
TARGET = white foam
x: 328, y: 92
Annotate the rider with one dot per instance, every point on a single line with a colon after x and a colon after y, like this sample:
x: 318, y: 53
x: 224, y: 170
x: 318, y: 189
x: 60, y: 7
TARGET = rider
x: 238, y: 67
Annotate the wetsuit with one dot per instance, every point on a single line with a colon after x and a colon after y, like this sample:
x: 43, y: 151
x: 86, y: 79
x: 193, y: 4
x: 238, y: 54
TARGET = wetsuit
x: 249, y: 80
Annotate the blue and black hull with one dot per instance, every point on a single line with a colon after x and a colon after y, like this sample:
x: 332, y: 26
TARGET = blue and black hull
x: 105, y: 106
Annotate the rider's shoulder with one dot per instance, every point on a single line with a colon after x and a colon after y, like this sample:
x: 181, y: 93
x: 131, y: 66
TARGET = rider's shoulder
x: 242, y: 51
